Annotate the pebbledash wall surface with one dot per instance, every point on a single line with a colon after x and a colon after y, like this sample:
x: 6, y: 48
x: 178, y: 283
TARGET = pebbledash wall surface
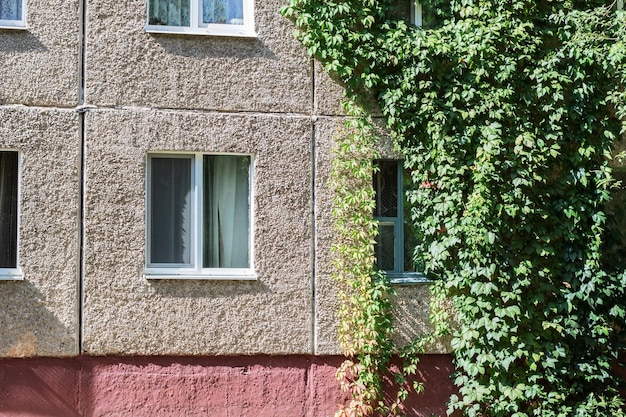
x: 87, y: 97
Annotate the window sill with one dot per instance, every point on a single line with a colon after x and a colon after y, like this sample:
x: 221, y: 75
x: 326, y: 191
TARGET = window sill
x: 408, y: 278
x: 235, y: 32
x: 11, y: 274
x: 215, y: 274
x: 13, y: 26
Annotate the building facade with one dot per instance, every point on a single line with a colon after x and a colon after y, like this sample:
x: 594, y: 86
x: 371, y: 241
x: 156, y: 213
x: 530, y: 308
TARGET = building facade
x: 165, y: 181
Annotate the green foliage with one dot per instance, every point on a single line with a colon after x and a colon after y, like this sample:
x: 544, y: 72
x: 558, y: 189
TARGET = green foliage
x: 508, y: 111
x: 366, y: 324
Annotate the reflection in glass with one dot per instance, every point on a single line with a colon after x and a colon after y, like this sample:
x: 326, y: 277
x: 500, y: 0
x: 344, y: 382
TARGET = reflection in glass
x: 222, y: 11
x: 170, y: 210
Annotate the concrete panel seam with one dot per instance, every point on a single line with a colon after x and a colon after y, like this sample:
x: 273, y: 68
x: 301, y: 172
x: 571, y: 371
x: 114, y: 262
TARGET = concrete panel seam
x: 37, y: 107
x: 81, y: 109
x: 313, y: 212
x: 86, y: 107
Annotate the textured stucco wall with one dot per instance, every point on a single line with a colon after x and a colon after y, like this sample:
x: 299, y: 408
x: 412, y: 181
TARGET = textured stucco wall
x: 39, y: 314
x: 156, y: 92
x: 40, y: 65
x: 127, y: 66
x: 123, y: 312
x: 188, y: 78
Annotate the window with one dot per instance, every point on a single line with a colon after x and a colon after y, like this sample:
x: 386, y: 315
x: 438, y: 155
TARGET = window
x: 202, y: 17
x: 423, y: 16
x: 416, y: 13
x: 9, y: 161
x: 395, y: 240
x: 12, y: 13
x: 199, y: 210
x: 614, y: 249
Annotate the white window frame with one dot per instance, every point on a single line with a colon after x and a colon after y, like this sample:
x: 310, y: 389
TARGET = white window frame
x: 16, y: 24
x: 398, y: 275
x: 212, y: 29
x: 15, y: 274
x: 416, y: 13
x: 194, y: 270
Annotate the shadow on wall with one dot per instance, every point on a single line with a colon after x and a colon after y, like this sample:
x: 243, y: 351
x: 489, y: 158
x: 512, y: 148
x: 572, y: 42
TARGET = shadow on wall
x: 219, y: 47
x: 210, y: 289
x: 411, y: 313
x: 28, y: 328
x: 435, y: 372
x: 39, y: 387
x: 19, y: 41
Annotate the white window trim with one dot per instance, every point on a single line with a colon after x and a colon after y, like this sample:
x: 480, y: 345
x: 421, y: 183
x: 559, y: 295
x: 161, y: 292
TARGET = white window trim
x: 15, y: 274
x: 416, y: 13
x: 195, y: 270
x: 16, y: 24
x: 11, y: 274
x: 212, y: 29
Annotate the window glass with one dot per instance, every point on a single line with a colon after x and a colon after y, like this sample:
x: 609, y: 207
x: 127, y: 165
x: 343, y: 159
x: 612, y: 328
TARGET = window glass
x: 10, y: 9
x: 428, y: 15
x: 169, y: 12
x: 614, y: 250
x: 222, y: 11
x: 170, y: 210
x: 386, y: 186
x: 198, y: 214
x: 396, y: 238
x: 385, y: 246
x: 8, y: 208
x: 226, y: 211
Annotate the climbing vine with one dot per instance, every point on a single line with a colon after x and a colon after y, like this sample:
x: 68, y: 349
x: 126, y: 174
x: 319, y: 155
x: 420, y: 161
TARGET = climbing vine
x: 366, y: 325
x: 506, y: 113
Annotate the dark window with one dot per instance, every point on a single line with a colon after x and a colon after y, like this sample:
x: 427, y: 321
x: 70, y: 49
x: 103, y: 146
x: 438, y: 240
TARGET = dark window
x: 396, y: 238
x: 8, y: 208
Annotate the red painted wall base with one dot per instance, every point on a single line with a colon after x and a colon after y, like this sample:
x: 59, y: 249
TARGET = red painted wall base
x: 255, y: 386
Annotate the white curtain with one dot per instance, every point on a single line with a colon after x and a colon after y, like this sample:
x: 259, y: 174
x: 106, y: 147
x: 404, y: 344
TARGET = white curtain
x: 226, y: 211
x: 8, y: 209
x: 10, y: 9
x: 222, y: 11
x: 168, y: 12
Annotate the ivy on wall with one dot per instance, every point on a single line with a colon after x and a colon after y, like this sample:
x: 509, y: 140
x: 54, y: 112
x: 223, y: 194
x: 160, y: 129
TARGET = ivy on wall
x: 508, y: 111
x: 366, y: 325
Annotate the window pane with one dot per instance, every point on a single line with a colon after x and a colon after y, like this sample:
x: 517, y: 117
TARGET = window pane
x: 226, y: 211
x: 385, y: 247
x: 430, y: 16
x: 168, y: 12
x: 8, y: 209
x: 222, y: 11
x: 170, y: 210
x: 386, y: 187
x: 10, y: 9
x: 614, y: 250
x: 411, y: 240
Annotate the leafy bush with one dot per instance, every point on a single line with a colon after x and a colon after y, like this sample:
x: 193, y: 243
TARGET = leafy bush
x: 510, y: 110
